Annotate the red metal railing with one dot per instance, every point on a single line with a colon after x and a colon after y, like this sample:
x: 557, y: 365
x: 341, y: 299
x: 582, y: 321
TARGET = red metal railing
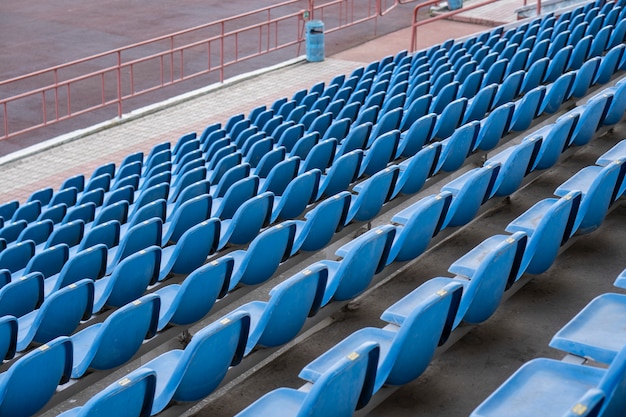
x: 112, y: 78
x: 417, y: 23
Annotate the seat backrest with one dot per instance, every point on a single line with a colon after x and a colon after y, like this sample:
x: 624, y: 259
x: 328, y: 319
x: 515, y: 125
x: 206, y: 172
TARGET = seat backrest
x: 290, y: 303
x: 189, y: 214
x: 131, y: 276
x: 52, y: 363
x: 64, y: 309
x: 49, y: 261
x: 253, y: 215
x: 267, y: 251
x: 363, y: 257
x: 345, y: 386
x: 27, y: 212
x: 195, y: 245
x: 107, y: 233
x: 117, y: 211
x: 89, y: 263
x: 237, y: 194
x: 613, y: 384
x: 38, y: 232
x: 123, y: 332
x: 281, y: 175
x: 85, y: 212
x: 327, y: 218
x: 424, y: 329
x: 8, y: 337
x: 66, y: 196
x: 141, y: 236
x: 209, y: 355
x: 69, y: 233
x: 342, y: 173
x: 16, y: 257
x: 130, y: 396
x: 201, y: 289
x: 356, y: 139
x: 21, y: 296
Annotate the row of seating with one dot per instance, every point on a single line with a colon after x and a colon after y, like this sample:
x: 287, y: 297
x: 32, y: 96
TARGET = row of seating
x: 569, y: 388
x: 471, y: 293
x: 423, y: 319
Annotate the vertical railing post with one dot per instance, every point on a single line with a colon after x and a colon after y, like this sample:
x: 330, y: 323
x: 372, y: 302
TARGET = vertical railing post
x: 311, y: 9
x: 6, y: 120
x: 56, y: 93
x: 538, y: 7
x: 222, y: 53
x: 119, y: 84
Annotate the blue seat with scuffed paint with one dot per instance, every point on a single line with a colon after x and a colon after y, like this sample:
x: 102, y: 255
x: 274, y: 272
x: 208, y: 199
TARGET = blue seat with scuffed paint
x: 130, y: 396
x: 361, y: 259
x: 278, y: 320
x: 114, y: 341
x: 563, y: 386
x: 346, y: 386
x: 195, y: 372
x: 260, y: 260
x: 416, y: 225
x: 188, y: 302
x: 51, y: 362
x: 407, y: 343
x: 321, y: 223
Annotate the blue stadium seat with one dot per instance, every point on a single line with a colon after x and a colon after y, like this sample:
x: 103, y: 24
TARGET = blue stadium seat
x: 130, y: 396
x: 595, y: 332
x: 555, y: 138
x: 59, y: 315
x: 372, y: 194
x: 193, y: 373
x: 190, y: 213
x: 192, y: 249
x: 241, y: 191
x: 552, y: 399
x: 361, y: 259
x: 469, y: 192
x: 321, y: 223
x: 247, y: 221
x: 515, y: 163
x: 382, y: 151
x: 494, y: 127
x: 407, y: 345
x: 484, y: 272
x: 597, y: 187
x: 345, y: 386
x: 300, y: 192
x: 450, y: 118
x: 457, y: 147
x: 356, y: 139
x: 418, y: 134
x: 258, y: 263
x: 416, y: 225
x: 38, y: 232
x: 16, y: 257
x: 129, y: 279
x: 89, y: 263
x: 547, y: 224
x: 141, y: 236
x: 10, y: 232
x: 320, y: 157
x: 114, y: 341
x: 278, y: 320
x: 340, y: 174
x: 617, y: 154
x: 51, y: 362
x: 589, y: 119
x: 417, y: 169
x: 21, y: 296
x: 188, y: 302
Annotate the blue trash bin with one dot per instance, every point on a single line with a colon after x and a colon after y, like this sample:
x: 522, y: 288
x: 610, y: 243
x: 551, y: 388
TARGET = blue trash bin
x: 455, y: 4
x: 314, y: 38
